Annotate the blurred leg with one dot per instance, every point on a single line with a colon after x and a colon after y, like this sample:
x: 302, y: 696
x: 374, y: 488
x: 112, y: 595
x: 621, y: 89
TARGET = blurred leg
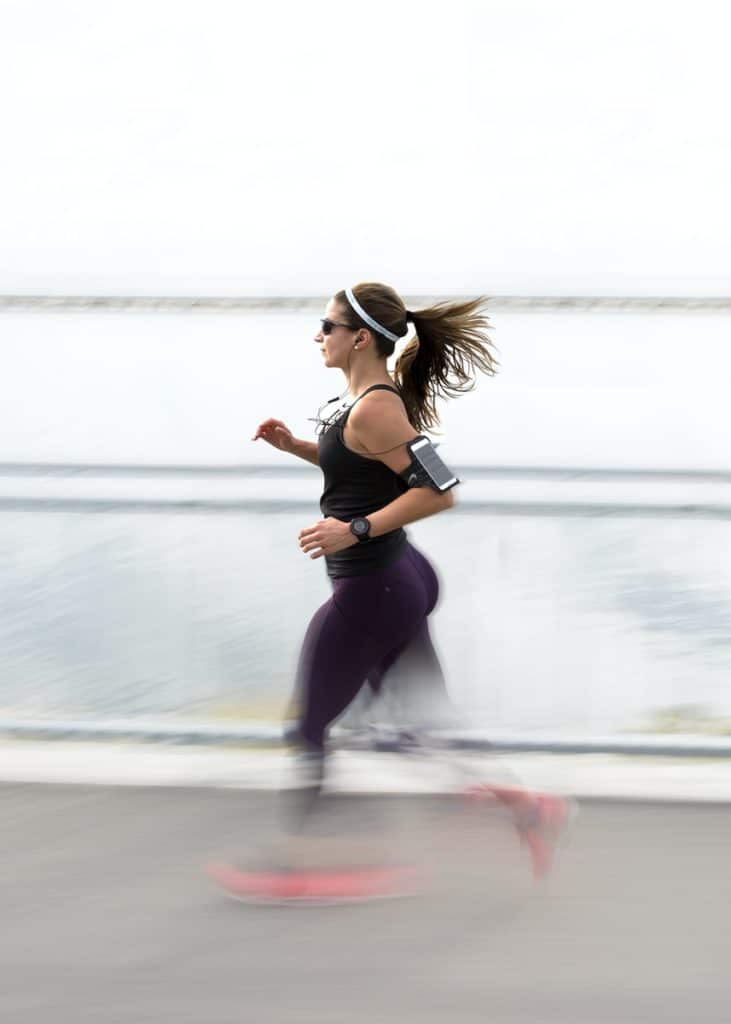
x: 411, y: 680
x: 367, y: 619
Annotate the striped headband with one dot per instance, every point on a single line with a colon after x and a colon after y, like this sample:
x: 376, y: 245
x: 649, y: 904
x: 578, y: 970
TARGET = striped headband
x: 369, y: 319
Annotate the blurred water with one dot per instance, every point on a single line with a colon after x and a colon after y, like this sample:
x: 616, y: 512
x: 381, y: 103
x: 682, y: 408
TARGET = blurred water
x: 545, y: 621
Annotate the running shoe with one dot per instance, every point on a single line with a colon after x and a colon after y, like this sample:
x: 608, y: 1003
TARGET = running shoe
x: 541, y: 820
x: 312, y: 887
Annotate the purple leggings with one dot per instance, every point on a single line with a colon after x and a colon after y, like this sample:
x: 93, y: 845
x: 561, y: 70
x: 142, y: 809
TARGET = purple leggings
x: 369, y: 624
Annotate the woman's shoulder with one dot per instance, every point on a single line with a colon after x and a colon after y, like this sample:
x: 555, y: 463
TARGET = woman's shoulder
x: 379, y: 421
x: 373, y: 405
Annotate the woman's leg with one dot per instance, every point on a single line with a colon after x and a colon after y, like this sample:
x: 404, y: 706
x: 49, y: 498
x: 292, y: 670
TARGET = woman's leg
x: 367, y: 618
x: 411, y: 682
x: 411, y: 675
x: 349, y: 635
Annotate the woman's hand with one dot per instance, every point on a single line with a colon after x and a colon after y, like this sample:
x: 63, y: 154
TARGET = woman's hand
x: 326, y: 537
x: 275, y: 433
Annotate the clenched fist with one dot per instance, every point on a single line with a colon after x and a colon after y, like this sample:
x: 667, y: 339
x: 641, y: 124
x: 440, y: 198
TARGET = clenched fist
x: 326, y: 537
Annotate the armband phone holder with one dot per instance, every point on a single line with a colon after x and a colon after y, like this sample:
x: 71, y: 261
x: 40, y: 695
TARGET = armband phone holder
x: 427, y: 468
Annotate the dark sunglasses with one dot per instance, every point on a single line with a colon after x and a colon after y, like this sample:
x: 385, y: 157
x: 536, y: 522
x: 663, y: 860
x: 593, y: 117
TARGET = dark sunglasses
x: 328, y: 325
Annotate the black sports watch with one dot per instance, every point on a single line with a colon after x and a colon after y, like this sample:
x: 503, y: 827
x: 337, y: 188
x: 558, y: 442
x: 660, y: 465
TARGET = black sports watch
x: 360, y: 527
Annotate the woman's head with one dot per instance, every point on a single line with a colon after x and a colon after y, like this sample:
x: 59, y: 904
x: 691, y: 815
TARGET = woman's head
x: 348, y: 324
x: 378, y: 311
x: 450, y: 343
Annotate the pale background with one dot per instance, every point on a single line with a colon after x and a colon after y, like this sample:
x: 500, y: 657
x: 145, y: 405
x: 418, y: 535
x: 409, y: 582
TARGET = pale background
x: 501, y: 147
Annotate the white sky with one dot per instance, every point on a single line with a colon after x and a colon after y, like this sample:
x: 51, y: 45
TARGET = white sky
x: 164, y: 147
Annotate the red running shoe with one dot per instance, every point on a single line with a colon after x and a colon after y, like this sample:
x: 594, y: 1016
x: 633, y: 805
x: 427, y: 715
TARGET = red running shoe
x: 541, y: 820
x: 313, y: 887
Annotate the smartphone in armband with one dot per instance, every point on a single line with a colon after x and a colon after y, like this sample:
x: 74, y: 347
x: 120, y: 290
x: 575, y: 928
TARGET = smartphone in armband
x: 433, y: 471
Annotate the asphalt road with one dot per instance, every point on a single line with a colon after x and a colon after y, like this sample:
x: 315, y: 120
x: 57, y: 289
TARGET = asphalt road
x: 107, y: 915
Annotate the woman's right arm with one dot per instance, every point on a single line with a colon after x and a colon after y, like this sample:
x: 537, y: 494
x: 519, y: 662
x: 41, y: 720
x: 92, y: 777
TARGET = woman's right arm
x: 279, y: 436
x: 306, y: 450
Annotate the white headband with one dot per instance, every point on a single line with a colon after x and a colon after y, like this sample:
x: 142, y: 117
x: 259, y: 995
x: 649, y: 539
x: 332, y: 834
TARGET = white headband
x: 369, y: 319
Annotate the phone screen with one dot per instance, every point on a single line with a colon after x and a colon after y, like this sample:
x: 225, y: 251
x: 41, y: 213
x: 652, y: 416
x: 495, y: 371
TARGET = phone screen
x: 426, y: 455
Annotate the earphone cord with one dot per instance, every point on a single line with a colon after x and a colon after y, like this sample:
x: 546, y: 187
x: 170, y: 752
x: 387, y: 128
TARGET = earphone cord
x: 387, y: 450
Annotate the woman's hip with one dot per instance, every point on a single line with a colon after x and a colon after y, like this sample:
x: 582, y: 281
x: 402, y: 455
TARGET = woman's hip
x: 399, y: 595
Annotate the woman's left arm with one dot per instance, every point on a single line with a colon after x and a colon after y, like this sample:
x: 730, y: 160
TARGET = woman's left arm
x: 416, y: 503
x: 330, y: 535
x: 381, y: 423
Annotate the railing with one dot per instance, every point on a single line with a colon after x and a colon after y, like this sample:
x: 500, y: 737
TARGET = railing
x: 513, y: 490
x: 294, y: 304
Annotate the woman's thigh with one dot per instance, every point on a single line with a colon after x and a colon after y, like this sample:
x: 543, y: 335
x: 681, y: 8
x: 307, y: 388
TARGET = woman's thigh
x: 367, y: 618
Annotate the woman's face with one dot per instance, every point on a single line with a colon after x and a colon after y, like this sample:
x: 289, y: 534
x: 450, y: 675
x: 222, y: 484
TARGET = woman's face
x: 336, y: 346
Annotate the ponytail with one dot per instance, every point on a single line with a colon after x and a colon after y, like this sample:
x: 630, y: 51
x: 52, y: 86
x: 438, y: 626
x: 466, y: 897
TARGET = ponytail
x: 442, y: 360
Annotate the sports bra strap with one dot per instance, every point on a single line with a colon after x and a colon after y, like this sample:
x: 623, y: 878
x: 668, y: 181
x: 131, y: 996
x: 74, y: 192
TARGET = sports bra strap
x: 373, y: 387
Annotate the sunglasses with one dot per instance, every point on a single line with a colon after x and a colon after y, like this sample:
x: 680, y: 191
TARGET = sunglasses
x: 329, y: 325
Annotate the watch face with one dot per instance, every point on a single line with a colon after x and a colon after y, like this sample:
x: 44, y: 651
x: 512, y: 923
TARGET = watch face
x: 360, y: 527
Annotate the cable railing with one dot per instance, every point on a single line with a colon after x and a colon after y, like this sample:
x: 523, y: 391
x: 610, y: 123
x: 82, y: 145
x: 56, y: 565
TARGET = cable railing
x: 501, y: 490
x: 295, y: 304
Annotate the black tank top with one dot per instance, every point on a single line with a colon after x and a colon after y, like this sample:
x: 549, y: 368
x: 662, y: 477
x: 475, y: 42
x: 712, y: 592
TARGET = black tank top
x: 357, y: 486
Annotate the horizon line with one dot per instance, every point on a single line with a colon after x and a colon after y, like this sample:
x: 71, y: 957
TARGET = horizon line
x: 40, y: 468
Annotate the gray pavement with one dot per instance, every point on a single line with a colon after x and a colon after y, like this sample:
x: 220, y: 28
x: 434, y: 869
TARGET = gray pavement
x: 108, y: 916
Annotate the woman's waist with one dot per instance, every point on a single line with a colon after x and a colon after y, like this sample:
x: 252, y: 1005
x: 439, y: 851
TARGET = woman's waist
x: 367, y: 555
x: 349, y: 507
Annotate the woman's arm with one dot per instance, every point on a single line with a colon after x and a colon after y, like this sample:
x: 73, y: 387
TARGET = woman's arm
x: 329, y: 535
x: 306, y: 450
x: 416, y: 503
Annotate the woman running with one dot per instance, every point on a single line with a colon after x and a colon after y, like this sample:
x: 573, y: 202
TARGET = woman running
x: 383, y: 588
x: 374, y: 486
